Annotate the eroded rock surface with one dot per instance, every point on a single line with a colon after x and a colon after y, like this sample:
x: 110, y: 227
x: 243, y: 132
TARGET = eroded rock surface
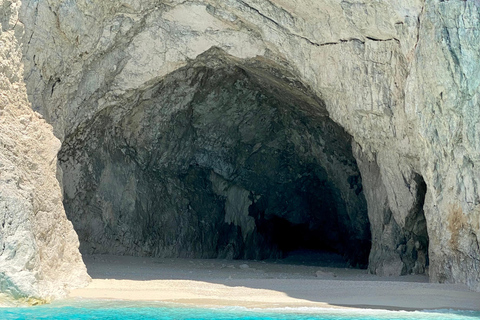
x: 400, y: 77
x: 443, y: 91
x: 39, y: 258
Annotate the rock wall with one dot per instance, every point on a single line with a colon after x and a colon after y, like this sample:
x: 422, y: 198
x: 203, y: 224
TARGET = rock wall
x: 39, y: 258
x: 443, y: 95
x: 400, y: 77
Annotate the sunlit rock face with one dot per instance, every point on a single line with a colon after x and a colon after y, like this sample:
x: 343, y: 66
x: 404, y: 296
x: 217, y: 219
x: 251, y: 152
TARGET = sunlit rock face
x: 218, y: 159
x: 39, y: 258
x: 126, y: 90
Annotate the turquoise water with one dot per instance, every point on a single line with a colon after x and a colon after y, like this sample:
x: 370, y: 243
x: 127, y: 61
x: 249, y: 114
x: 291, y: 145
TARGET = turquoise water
x: 113, y: 310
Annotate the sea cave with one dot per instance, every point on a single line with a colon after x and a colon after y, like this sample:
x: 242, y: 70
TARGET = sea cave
x: 220, y: 159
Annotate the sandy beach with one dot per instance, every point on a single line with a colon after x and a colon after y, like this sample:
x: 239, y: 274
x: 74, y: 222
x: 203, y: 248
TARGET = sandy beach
x: 260, y: 284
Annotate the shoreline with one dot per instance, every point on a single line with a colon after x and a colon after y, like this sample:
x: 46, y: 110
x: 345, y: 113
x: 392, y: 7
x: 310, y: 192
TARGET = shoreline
x: 264, y: 285
x: 221, y: 305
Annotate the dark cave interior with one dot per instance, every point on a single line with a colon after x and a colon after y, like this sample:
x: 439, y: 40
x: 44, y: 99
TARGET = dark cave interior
x: 220, y: 159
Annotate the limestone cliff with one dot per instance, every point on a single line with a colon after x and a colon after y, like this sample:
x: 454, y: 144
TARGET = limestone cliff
x: 365, y: 103
x: 39, y: 258
x: 442, y: 93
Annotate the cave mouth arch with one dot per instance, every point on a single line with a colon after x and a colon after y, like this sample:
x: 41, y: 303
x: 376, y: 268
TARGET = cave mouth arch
x: 223, y: 158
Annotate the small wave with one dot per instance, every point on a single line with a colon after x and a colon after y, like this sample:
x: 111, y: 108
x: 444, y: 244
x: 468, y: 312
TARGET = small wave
x: 117, y: 309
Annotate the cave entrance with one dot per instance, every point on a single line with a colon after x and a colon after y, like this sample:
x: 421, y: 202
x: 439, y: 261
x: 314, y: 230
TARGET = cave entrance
x: 415, y: 247
x: 220, y: 159
x: 302, y: 244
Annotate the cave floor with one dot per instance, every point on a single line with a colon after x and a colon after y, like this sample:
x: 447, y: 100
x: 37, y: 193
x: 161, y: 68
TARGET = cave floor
x: 264, y: 284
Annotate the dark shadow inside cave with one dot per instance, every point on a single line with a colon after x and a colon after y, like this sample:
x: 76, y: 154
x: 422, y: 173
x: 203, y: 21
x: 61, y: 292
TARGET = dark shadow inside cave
x: 220, y: 159
x: 305, y: 245
x: 415, y: 246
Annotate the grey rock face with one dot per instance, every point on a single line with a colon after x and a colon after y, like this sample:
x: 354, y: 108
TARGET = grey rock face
x: 39, y: 258
x: 396, y: 249
x: 447, y: 108
x: 122, y: 84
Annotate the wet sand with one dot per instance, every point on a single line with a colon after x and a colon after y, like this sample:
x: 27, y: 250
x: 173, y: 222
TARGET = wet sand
x: 260, y: 284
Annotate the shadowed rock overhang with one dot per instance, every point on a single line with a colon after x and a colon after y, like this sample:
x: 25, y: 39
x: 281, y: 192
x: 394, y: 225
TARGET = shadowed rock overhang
x: 221, y: 158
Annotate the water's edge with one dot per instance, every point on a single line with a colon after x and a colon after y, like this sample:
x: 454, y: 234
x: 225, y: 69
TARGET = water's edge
x: 118, y: 309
